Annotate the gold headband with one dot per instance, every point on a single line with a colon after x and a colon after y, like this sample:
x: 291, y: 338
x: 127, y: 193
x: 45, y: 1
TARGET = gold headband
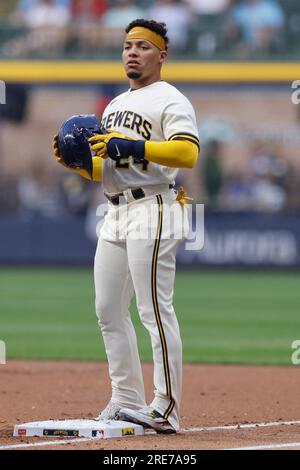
x: 138, y: 32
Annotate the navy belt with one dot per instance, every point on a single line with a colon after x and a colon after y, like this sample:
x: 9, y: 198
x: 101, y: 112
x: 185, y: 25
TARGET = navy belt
x: 137, y: 193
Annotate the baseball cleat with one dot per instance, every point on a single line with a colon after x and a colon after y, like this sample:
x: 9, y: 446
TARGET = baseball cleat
x: 147, y: 417
x: 110, y: 412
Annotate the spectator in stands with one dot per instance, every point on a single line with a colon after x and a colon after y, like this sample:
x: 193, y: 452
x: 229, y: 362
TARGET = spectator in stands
x: 47, y: 22
x: 208, y: 7
x: 237, y: 192
x: 263, y: 187
x: 75, y: 193
x: 270, y: 169
x: 88, y: 10
x: 176, y: 15
x: 212, y: 173
x: 85, y: 34
x: 267, y: 162
x: 115, y: 20
x: 39, y: 191
x: 268, y: 196
x: 257, y: 23
x: 27, y: 7
x: 205, y: 34
x: 47, y: 14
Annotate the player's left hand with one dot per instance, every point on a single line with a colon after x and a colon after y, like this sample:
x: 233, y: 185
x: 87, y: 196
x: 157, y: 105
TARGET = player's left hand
x: 56, y: 152
x: 118, y: 146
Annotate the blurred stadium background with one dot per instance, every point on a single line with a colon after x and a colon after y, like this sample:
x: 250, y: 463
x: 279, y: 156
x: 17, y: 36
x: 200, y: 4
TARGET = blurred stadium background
x: 236, y: 61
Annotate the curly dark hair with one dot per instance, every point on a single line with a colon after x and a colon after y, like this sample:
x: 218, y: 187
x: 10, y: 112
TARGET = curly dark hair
x: 159, y: 28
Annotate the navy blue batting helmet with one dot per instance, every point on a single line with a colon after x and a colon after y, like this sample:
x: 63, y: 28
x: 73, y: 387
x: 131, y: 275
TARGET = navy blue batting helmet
x: 73, y: 143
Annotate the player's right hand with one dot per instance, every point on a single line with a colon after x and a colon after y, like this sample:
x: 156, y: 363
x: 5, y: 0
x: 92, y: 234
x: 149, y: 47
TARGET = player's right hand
x: 117, y: 146
x: 99, y: 142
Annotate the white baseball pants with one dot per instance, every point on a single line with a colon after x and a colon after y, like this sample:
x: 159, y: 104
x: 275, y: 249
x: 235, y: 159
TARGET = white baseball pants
x: 136, y: 253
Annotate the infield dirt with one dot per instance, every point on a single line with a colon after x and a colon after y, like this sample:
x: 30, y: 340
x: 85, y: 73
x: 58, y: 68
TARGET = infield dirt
x: 213, y: 395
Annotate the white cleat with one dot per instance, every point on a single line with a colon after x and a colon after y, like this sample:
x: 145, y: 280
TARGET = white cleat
x: 110, y: 412
x: 149, y: 418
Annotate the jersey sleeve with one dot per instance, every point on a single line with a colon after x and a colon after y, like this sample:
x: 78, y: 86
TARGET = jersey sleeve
x: 179, y: 121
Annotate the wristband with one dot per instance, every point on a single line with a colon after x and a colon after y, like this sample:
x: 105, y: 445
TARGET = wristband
x: 118, y: 148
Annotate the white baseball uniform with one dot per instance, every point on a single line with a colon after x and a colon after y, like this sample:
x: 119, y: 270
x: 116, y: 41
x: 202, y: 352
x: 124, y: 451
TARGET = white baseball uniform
x: 137, y: 246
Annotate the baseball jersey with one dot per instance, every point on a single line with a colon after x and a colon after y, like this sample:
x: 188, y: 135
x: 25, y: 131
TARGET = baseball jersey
x: 156, y: 112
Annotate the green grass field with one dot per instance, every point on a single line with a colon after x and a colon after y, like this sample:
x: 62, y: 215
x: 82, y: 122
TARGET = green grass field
x: 224, y: 317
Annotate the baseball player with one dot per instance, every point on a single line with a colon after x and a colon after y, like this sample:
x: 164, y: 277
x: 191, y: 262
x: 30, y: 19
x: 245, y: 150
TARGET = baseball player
x: 151, y: 133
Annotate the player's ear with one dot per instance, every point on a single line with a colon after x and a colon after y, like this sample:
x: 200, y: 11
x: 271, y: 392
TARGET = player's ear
x: 163, y: 56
